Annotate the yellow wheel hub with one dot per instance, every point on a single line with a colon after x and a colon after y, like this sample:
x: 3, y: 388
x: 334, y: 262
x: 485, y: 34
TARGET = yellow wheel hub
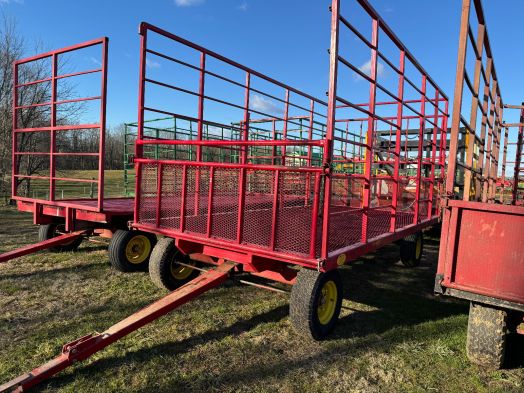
x: 418, y: 248
x: 180, y: 272
x: 327, y: 302
x: 138, y: 249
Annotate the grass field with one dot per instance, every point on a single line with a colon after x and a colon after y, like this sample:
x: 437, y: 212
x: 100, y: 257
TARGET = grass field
x: 113, y: 185
x: 393, y: 336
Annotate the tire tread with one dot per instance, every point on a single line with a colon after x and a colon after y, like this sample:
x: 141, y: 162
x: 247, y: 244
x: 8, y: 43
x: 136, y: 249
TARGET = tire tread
x: 487, y: 332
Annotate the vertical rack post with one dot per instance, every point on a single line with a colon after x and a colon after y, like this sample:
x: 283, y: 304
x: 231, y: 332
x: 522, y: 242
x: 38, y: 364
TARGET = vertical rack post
x: 483, y: 127
x: 52, y: 144
x: 283, y: 149
x: 244, y: 129
x: 433, y: 156
x: 457, y: 97
x: 140, y: 123
x: 504, y: 158
x: 473, y: 115
x: 14, y: 158
x: 368, y: 175
x: 489, y: 147
x: 421, y: 133
x: 200, y: 128
x: 398, y: 141
x: 518, y: 158
x: 331, y: 118
x: 102, y: 143
x: 496, y: 151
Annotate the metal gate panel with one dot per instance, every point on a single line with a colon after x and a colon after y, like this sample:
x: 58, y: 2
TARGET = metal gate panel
x: 49, y: 130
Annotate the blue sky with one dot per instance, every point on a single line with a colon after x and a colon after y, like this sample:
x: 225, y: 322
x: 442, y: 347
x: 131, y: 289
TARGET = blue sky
x: 287, y: 40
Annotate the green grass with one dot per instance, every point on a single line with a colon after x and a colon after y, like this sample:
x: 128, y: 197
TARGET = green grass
x: 113, y: 185
x: 393, y: 335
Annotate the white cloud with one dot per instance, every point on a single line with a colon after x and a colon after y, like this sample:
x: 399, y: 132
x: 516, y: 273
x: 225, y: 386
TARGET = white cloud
x: 93, y: 59
x: 188, y: 3
x: 243, y: 6
x: 152, y: 64
x: 11, y: 1
x: 366, y: 69
x: 264, y: 105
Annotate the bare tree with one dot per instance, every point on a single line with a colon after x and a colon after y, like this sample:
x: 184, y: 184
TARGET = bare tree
x: 13, y: 47
x: 114, y: 158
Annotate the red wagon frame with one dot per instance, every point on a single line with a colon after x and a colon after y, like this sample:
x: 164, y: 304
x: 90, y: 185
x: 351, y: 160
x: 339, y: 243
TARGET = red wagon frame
x: 151, y: 208
x: 319, y: 177
x: 481, y: 257
x: 77, y: 217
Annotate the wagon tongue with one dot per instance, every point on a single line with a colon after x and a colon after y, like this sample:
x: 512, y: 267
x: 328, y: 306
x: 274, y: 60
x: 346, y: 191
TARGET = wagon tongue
x: 43, y: 245
x: 88, y: 345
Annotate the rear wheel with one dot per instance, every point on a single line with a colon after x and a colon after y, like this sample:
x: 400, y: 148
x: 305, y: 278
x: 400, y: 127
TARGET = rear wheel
x: 411, y: 249
x: 49, y: 231
x: 316, y: 299
x: 164, y: 267
x: 487, y: 333
x: 129, y: 251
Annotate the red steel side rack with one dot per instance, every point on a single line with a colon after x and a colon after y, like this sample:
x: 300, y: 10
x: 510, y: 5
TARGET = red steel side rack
x: 481, y: 251
x: 66, y: 219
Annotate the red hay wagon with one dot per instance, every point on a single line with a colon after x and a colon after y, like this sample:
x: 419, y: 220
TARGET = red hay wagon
x: 319, y: 196
x: 294, y: 187
x: 481, y: 255
x: 47, y: 129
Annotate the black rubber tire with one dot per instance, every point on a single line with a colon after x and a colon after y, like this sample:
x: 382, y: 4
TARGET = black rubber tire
x: 117, y: 251
x: 163, y: 256
x: 49, y: 231
x: 408, y: 250
x: 487, y: 334
x: 305, y: 297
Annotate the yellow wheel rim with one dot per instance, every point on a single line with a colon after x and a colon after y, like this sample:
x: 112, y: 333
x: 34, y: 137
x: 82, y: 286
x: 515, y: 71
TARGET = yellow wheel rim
x: 418, y: 248
x: 138, y: 249
x: 327, y: 302
x: 181, y: 272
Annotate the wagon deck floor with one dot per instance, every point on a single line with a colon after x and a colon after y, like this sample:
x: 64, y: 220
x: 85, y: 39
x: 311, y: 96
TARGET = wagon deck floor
x: 111, y: 205
x: 291, y: 234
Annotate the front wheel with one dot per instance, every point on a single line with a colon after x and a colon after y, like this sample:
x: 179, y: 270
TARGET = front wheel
x: 165, y: 269
x: 129, y: 251
x: 316, y: 299
x: 487, y: 334
x: 411, y: 249
x: 49, y: 231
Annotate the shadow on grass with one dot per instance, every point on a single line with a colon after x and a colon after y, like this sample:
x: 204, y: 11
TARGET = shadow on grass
x: 399, y: 297
x: 41, y: 274
x: 514, y: 351
x: 174, y: 348
x: 90, y: 248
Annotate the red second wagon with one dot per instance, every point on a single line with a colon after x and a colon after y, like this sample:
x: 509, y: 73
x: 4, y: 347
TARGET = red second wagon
x: 482, y: 251
x: 59, y: 127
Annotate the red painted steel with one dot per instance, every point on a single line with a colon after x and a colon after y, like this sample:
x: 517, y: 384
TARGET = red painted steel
x: 264, y: 203
x: 54, y: 126
x: 86, y: 346
x: 481, y: 250
x: 291, y: 191
x: 98, y: 211
x: 44, y: 245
